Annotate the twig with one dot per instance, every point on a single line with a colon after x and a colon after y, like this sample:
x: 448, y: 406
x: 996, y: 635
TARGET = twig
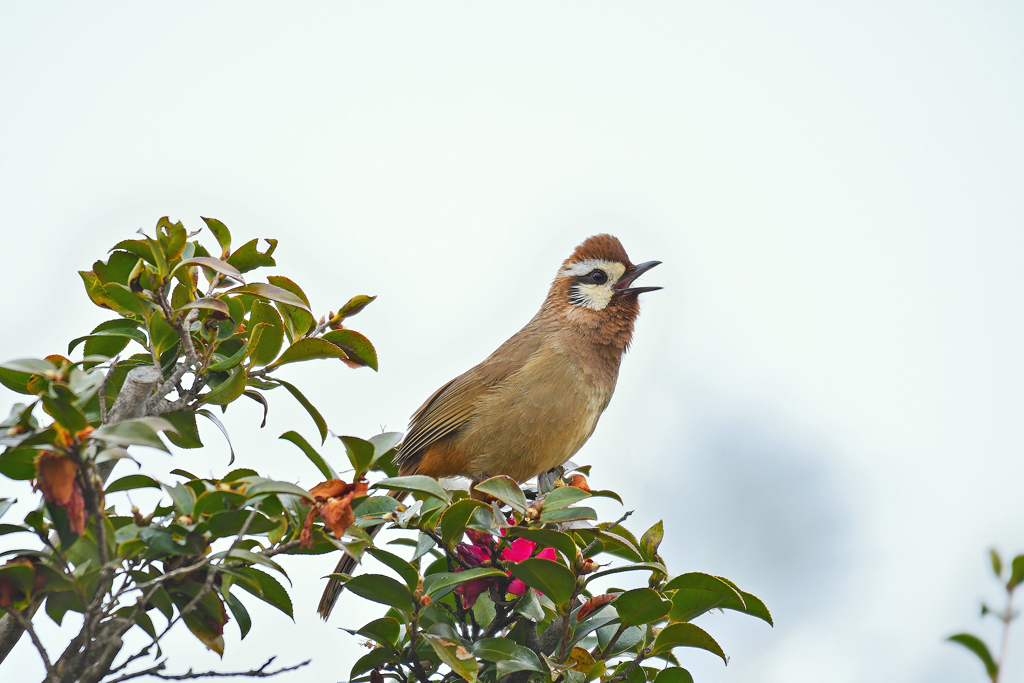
x: 1007, y: 618
x: 26, y: 624
x: 633, y: 665
x: 620, y: 520
x: 261, y: 672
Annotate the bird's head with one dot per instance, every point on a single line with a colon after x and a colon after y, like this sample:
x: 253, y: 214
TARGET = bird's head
x: 594, y: 286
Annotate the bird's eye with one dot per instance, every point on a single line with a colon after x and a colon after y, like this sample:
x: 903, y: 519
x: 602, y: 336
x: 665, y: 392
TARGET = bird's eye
x: 598, y: 276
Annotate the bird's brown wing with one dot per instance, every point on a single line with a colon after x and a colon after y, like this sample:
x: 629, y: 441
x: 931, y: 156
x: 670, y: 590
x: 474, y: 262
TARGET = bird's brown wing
x: 450, y: 407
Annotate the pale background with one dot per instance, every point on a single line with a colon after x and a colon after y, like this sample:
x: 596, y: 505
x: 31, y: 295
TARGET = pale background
x: 825, y: 401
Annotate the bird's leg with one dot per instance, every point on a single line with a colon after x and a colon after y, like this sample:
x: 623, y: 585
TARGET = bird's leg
x: 546, y: 480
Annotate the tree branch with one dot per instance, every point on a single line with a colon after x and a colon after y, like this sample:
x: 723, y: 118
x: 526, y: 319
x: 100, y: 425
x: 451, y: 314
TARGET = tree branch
x: 155, y: 670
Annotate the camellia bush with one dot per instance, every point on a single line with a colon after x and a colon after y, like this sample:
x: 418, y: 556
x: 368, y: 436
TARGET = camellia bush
x: 497, y: 584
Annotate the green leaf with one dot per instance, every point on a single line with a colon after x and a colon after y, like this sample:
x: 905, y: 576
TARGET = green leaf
x: 307, y: 348
x: 32, y: 366
x: 66, y: 414
x: 650, y: 541
x: 314, y: 457
x: 188, y: 434
x: 382, y: 589
x: 403, y: 568
x: 132, y: 482
x: 239, y: 612
x: 182, y: 496
x: 354, y: 306
x: 690, y: 603
x: 674, y: 674
x: 441, y: 584
x: 641, y: 606
x: 638, y: 566
x: 229, y: 362
x: 376, y: 658
x: 220, y: 425
x: 384, y: 443
x: 504, y: 489
x: 997, y: 562
x: 549, y: 578
x: 455, y: 519
x: 735, y: 599
x: 228, y: 390
x: 508, y: 655
x: 567, y: 515
x: 216, y: 264
x: 297, y: 321
x: 208, y: 304
x: 360, y: 453
x: 270, y: 486
x: 247, y: 257
x: 138, y: 432
x: 548, y: 538
x: 270, y: 340
x: 221, y: 232
x: 529, y: 606
x: 321, y: 424
x: 384, y: 631
x: 686, y: 635
x: 110, y: 337
x: 1016, y: 573
x: 455, y: 655
x: 270, y: 589
x: 268, y: 291
x: 253, y: 558
x: 563, y: 497
x: 123, y: 299
x: 415, y: 483
x: 975, y: 645
x: 357, y: 347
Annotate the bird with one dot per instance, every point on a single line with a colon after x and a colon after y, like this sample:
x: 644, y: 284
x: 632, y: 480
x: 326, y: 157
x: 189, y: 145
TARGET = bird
x: 532, y: 404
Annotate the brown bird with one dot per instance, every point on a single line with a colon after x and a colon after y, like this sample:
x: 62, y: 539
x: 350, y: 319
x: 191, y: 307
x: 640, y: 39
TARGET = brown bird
x: 530, y: 405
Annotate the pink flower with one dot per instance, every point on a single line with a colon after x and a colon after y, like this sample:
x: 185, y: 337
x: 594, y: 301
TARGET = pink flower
x: 480, y: 550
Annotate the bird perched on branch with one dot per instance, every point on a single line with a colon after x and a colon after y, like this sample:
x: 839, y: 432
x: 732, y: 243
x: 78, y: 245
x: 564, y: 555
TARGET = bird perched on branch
x: 530, y: 405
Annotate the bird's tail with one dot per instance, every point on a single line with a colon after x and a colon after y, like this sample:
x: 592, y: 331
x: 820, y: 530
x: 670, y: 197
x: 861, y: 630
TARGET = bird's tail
x: 346, y: 565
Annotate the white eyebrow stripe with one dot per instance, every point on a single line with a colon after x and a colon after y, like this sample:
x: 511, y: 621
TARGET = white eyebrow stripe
x: 584, y: 267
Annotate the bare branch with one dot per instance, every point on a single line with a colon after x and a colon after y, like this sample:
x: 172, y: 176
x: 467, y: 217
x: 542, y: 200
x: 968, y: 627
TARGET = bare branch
x: 136, y: 390
x: 26, y: 624
x: 102, y: 393
x: 261, y: 672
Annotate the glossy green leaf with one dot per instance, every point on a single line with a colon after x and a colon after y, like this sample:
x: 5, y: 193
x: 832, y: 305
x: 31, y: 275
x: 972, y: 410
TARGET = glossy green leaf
x: 686, y: 635
x: 270, y: 340
x: 563, y: 497
x: 188, y: 433
x: 182, y: 496
x: 239, y: 612
x: 690, y: 603
x: 65, y: 414
x: 208, y: 304
x: 384, y: 631
x: 132, y: 482
x: 442, y: 583
x: 382, y: 589
x: 220, y: 425
x: 307, y: 349
x: 248, y: 257
x: 269, y: 589
x: 321, y: 424
x: 230, y: 362
x: 674, y: 674
x: 360, y: 453
x: 253, y: 558
x: 415, y: 483
x: 455, y: 519
x: 376, y: 658
x: 268, y: 291
x: 124, y: 300
x: 270, y: 486
x: 567, y: 515
x: 547, y: 577
x: 504, y: 489
x: 354, y: 306
x: 980, y: 650
x: 138, y: 432
x: 297, y: 321
x: 314, y: 457
x: 641, y: 606
x: 638, y: 566
x: 228, y: 390
x: 508, y: 655
x: 455, y: 655
x: 357, y: 347
x: 214, y: 264
x: 401, y: 567
x: 221, y: 233
x: 650, y: 541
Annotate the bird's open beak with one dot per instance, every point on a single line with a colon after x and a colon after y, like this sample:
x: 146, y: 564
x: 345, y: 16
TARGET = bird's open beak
x: 623, y: 285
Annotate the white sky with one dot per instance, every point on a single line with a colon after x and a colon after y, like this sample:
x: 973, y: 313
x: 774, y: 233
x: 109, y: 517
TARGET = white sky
x: 825, y: 401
